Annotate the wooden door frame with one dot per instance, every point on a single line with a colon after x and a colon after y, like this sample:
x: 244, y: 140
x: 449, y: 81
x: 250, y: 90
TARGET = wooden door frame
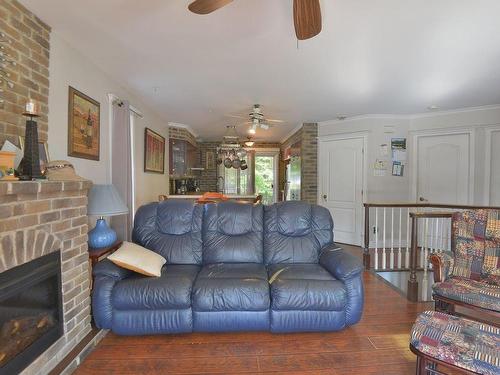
x: 488, y: 132
x: 275, y: 153
x: 364, y: 173
x: 413, y: 163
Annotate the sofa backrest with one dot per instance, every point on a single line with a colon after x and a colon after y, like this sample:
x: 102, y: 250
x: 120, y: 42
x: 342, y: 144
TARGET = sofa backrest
x: 171, y: 228
x: 232, y: 233
x: 296, y: 232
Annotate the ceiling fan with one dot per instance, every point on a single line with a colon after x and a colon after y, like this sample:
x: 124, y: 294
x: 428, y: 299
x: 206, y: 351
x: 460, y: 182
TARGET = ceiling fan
x: 257, y: 119
x: 306, y: 14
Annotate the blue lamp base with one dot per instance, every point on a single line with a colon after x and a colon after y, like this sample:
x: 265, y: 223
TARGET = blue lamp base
x: 102, y: 235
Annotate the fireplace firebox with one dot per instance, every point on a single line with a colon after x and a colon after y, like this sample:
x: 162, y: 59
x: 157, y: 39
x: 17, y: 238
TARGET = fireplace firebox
x: 31, y: 318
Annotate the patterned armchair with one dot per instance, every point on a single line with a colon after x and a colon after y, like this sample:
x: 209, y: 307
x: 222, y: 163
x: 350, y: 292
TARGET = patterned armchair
x: 469, y: 275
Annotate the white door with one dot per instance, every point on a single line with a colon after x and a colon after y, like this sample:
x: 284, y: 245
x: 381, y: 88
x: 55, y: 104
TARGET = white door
x: 341, y: 186
x: 444, y: 169
x: 494, y: 162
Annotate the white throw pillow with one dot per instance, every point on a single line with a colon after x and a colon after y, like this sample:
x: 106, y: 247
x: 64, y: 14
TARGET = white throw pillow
x: 138, y: 259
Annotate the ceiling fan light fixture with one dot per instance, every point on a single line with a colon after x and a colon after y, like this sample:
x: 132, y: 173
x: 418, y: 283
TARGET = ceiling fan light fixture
x: 249, y: 143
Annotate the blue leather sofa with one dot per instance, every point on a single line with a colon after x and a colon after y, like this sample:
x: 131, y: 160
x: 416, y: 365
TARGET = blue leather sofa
x: 232, y: 267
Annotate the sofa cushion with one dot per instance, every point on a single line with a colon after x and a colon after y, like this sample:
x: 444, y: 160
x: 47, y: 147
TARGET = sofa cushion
x: 491, y: 264
x: 469, y: 234
x: 172, y: 290
x: 295, y: 232
x: 138, y: 259
x: 469, y: 291
x: 305, y: 287
x: 230, y: 287
x: 171, y: 228
x: 232, y: 233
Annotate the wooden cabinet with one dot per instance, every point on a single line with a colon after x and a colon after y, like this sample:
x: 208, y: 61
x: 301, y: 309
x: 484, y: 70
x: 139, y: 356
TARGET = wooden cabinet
x: 183, y: 157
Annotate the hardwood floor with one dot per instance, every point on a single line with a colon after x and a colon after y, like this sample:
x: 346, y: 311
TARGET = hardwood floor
x: 375, y: 346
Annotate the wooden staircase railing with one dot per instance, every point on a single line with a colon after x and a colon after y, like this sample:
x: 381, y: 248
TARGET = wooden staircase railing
x: 401, y: 236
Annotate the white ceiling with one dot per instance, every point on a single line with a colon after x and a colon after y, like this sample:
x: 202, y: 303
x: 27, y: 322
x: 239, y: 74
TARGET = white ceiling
x: 373, y: 56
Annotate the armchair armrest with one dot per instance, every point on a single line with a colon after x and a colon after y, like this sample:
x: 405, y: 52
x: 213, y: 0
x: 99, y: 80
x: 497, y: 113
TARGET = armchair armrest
x: 339, y: 263
x: 442, y: 264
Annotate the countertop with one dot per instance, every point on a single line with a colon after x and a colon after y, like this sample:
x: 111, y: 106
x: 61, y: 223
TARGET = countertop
x: 197, y: 196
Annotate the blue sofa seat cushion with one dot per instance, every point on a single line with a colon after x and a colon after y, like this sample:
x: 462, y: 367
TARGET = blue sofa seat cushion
x: 231, y: 287
x: 172, y: 290
x: 305, y: 287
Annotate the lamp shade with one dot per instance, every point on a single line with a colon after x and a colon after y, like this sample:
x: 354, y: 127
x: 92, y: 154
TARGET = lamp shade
x: 104, y: 200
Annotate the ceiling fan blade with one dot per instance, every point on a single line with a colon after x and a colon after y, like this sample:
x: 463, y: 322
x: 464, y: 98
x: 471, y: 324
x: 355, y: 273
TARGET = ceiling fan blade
x: 236, y: 116
x: 307, y: 18
x: 274, y: 120
x: 207, y: 6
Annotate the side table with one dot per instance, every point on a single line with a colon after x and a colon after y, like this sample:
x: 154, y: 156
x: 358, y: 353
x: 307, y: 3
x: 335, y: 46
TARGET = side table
x: 96, y: 254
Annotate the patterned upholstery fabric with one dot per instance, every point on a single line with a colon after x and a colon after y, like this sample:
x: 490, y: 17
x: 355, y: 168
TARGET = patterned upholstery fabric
x: 477, y: 293
x: 491, y: 264
x: 476, y: 237
x: 460, y: 342
x: 469, y: 231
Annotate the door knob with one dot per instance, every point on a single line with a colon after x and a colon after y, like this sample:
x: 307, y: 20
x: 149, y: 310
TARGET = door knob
x: 422, y: 199
x: 324, y: 197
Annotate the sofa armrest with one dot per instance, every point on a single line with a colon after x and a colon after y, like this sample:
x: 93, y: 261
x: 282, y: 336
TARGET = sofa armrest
x: 442, y: 264
x: 106, y: 275
x: 339, y: 263
x: 348, y: 269
x: 107, y: 268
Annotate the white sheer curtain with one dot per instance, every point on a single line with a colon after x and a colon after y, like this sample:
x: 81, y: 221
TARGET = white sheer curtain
x: 121, y: 166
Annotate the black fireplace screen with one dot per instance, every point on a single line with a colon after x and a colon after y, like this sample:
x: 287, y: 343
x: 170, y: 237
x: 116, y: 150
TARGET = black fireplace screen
x: 30, y: 311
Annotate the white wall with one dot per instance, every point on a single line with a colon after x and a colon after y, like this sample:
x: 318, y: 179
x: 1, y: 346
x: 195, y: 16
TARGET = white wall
x: 70, y: 68
x: 381, y: 128
x: 147, y: 185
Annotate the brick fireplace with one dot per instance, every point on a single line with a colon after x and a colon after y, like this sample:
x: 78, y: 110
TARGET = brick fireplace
x: 42, y: 218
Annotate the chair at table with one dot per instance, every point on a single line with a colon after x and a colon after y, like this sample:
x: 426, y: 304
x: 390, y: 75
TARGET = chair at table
x: 212, y: 197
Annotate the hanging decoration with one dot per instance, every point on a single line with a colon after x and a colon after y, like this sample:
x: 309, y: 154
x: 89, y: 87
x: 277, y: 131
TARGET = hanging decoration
x: 230, y: 152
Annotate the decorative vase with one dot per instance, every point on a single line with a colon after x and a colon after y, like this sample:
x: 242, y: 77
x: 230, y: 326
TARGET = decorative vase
x: 102, y: 235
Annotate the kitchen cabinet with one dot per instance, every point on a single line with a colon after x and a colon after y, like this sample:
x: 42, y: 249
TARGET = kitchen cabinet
x: 183, y: 157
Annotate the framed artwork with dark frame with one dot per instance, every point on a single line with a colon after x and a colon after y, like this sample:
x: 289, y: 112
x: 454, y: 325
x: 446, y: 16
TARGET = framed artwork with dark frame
x: 154, y: 152
x: 84, y: 125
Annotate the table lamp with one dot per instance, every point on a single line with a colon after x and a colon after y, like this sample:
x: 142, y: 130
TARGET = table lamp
x: 104, y: 200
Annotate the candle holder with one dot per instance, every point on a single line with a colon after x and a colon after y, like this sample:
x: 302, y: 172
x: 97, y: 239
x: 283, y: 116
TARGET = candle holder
x: 30, y: 165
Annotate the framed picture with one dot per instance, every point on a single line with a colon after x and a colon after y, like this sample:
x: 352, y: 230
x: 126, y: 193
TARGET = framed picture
x: 84, y: 124
x: 43, y: 152
x: 154, y: 152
